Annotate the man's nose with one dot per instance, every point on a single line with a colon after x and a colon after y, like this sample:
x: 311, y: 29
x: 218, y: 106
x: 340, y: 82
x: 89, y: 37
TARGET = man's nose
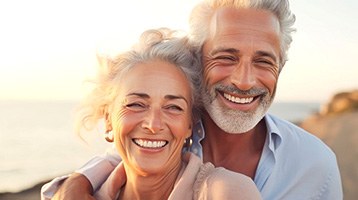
x: 243, y: 76
x: 153, y: 121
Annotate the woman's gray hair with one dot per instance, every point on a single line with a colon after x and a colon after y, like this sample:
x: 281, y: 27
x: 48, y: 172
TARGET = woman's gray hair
x: 155, y: 44
x: 202, y: 14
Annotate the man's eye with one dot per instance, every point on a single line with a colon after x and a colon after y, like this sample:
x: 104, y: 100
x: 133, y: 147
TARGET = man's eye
x: 265, y: 62
x: 226, y: 58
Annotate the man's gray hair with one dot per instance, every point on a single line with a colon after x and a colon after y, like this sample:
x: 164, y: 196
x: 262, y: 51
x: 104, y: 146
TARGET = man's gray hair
x: 202, y: 14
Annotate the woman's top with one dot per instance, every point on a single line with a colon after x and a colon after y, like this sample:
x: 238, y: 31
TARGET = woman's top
x: 199, y: 181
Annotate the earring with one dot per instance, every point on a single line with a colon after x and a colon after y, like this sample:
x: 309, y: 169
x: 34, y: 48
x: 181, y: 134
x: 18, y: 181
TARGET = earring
x: 188, y: 142
x: 108, y: 135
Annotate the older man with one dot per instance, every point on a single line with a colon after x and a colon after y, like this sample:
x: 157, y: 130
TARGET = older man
x: 243, y: 48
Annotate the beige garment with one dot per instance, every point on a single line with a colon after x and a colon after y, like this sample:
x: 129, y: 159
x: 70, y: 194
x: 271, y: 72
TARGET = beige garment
x: 201, y: 182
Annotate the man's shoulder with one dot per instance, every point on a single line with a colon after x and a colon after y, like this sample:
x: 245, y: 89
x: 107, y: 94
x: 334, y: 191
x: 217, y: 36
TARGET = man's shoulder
x: 305, y: 154
x: 304, y: 165
x: 296, y: 141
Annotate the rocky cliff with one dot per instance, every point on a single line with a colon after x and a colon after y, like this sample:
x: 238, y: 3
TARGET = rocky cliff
x: 337, y: 125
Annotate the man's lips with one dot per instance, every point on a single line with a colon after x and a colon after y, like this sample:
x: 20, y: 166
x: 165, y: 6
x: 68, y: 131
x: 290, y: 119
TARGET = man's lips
x: 237, y: 99
x: 153, y: 144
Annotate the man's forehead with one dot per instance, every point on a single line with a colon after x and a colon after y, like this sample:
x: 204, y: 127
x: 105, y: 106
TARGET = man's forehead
x: 238, y: 28
x: 238, y: 20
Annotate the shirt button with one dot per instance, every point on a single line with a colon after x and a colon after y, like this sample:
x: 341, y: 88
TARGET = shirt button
x: 195, y: 150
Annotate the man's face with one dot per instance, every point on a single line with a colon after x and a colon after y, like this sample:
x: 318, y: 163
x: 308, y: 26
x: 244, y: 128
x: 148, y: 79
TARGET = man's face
x: 241, y: 67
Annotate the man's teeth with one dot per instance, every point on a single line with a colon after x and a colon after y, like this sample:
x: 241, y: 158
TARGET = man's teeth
x: 237, y: 99
x: 150, y: 144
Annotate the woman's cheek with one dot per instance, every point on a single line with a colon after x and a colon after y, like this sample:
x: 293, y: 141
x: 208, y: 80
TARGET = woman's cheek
x: 180, y: 127
x: 122, y: 124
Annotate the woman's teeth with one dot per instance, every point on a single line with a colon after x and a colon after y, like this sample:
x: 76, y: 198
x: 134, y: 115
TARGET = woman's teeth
x: 150, y: 144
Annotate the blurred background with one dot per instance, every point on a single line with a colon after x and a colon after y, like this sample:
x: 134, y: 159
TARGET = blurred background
x: 48, y: 49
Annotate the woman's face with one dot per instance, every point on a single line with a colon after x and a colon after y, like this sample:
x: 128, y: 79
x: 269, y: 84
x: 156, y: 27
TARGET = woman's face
x: 151, y: 117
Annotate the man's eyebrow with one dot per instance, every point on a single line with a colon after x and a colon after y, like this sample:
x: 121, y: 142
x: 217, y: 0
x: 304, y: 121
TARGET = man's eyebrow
x: 236, y: 51
x: 267, y: 54
x: 171, y: 97
x: 224, y: 50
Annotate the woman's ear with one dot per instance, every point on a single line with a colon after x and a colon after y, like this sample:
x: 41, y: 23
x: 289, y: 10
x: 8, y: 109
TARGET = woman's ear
x: 189, y: 132
x: 188, y: 139
x: 107, y: 119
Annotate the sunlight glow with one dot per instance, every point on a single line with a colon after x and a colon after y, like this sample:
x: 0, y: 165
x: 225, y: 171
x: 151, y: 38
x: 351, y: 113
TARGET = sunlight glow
x: 48, y: 48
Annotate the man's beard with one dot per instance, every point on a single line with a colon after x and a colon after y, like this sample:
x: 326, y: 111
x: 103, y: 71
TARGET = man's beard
x: 232, y: 120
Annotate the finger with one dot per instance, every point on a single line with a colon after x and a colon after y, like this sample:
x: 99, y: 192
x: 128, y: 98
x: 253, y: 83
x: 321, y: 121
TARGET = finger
x: 117, y: 179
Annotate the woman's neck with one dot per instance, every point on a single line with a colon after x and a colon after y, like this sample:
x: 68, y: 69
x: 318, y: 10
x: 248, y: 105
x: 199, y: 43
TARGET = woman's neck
x: 151, y: 187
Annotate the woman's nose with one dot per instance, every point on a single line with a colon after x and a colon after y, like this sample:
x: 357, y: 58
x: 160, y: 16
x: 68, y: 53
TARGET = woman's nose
x: 153, y: 121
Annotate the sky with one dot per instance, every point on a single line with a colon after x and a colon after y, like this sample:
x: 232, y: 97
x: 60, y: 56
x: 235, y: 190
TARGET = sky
x: 48, y: 48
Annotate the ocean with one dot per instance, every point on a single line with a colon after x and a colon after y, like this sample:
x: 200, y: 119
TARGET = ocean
x: 37, y: 141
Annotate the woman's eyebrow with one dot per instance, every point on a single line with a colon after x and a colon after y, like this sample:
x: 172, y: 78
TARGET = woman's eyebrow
x: 171, y: 97
x: 142, y: 95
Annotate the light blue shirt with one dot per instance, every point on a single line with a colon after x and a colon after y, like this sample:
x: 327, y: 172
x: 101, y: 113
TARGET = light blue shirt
x: 294, y: 163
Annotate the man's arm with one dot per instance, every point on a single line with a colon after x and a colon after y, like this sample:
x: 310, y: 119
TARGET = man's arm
x: 111, y: 187
x: 77, y: 186
x: 332, y: 186
x: 84, y: 181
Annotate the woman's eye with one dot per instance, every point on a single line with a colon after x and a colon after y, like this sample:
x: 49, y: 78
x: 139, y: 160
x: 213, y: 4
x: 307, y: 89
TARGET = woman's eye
x: 174, y: 108
x: 135, y: 106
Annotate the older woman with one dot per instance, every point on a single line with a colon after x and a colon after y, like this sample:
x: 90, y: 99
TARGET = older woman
x: 147, y: 96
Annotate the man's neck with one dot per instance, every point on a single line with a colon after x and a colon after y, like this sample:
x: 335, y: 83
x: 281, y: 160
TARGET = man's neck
x: 236, y: 152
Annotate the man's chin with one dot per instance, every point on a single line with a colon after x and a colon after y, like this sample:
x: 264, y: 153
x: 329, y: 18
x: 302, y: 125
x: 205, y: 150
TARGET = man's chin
x: 235, y: 121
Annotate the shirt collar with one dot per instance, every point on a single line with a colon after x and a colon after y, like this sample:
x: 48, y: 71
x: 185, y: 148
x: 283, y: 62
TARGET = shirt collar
x: 274, y: 134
